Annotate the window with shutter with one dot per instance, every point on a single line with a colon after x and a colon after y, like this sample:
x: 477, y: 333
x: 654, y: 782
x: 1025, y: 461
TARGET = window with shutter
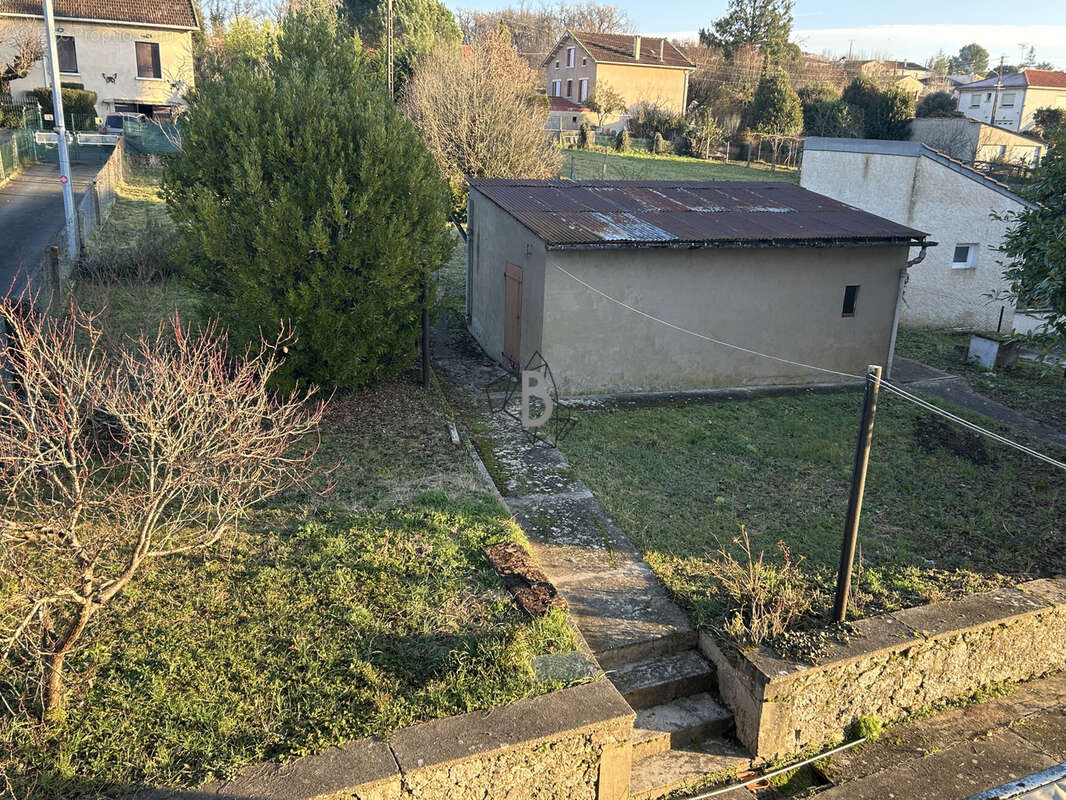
x: 148, y: 60
x: 68, y: 55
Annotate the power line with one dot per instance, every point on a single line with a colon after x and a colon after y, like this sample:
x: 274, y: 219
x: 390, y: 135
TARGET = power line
x: 925, y: 404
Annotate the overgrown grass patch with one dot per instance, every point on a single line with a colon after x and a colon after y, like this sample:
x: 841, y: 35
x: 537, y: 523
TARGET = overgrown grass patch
x: 329, y: 617
x: 588, y: 165
x: 307, y: 633
x: 936, y: 523
x: 1033, y: 389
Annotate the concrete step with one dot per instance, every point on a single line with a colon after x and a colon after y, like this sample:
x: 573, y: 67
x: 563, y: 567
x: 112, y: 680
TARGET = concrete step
x: 715, y: 761
x: 667, y: 642
x: 659, y: 680
x: 673, y: 724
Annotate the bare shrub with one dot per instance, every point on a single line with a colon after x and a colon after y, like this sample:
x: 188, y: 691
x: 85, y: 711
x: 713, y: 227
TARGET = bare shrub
x: 765, y: 598
x: 155, y: 253
x: 112, y: 458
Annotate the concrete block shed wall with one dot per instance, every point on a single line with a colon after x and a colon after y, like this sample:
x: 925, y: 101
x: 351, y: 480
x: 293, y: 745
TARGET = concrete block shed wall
x: 951, y: 207
x: 782, y: 301
x: 495, y: 239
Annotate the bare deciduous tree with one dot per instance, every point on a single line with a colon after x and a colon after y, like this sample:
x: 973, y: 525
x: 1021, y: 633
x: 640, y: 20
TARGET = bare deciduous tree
x: 480, y: 113
x: 23, y: 46
x: 605, y: 102
x: 111, y: 459
x: 535, y: 30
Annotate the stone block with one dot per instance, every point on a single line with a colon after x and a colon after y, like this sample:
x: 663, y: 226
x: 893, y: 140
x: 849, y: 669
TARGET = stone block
x: 616, y: 761
x: 363, y: 769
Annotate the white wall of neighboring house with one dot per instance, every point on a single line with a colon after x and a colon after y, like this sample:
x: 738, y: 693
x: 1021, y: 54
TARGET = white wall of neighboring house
x: 909, y: 184
x: 1014, y: 107
x: 106, y: 56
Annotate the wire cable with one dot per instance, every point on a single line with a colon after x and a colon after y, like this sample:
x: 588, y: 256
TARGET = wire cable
x: 892, y: 388
x: 925, y: 404
x: 704, y: 337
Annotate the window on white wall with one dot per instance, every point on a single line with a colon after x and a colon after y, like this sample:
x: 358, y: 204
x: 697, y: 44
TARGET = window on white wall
x: 975, y: 100
x: 965, y: 256
x: 68, y: 55
x: 1007, y: 101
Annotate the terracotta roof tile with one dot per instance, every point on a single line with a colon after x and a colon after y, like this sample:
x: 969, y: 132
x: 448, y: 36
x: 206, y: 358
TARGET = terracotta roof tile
x: 178, y: 13
x: 617, y: 48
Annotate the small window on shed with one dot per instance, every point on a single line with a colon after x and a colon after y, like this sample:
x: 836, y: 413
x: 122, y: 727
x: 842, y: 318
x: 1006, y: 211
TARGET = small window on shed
x: 965, y: 256
x: 851, y: 293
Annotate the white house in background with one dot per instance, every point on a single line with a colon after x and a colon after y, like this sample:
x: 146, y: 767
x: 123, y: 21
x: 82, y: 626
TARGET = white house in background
x: 968, y: 140
x: 135, y: 54
x: 911, y: 184
x: 1010, y: 102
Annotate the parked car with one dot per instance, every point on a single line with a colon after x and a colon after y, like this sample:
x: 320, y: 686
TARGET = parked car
x: 114, y: 122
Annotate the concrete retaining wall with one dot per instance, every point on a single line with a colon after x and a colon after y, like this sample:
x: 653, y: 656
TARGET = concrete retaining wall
x: 573, y: 744
x: 895, y: 665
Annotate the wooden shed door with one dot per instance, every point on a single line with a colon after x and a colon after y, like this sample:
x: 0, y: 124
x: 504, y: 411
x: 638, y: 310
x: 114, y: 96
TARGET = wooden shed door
x: 512, y: 322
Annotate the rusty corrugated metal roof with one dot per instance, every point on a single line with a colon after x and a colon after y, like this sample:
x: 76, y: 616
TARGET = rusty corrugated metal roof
x: 686, y: 213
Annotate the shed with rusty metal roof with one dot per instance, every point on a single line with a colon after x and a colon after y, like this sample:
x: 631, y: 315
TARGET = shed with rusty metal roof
x: 674, y: 285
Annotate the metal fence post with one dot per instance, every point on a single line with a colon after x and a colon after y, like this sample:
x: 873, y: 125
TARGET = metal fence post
x: 858, y: 487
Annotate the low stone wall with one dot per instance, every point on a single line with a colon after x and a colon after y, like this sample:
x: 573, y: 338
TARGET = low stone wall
x: 896, y: 665
x: 573, y: 744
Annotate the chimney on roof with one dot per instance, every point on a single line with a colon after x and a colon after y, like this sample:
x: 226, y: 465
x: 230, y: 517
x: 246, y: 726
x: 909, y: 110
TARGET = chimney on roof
x: 662, y: 48
x: 636, y: 48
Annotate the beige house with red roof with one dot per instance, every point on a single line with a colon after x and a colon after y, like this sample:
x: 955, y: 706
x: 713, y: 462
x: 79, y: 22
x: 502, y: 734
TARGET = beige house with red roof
x: 642, y: 69
x: 1010, y: 102
x: 135, y: 54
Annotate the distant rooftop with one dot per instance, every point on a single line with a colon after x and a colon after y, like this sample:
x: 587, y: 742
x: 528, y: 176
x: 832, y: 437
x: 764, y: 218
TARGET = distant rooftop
x: 912, y: 149
x: 170, y: 13
x: 617, y: 48
x: 621, y: 214
x: 1035, y: 78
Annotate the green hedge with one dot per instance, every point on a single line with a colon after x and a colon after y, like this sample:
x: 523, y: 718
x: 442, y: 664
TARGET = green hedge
x: 79, y: 106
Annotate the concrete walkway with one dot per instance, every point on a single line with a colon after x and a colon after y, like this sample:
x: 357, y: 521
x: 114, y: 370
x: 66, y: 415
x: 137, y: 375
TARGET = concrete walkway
x: 31, y: 214
x: 960, y: 752
x: 614, y: 597
x: 638, y: 635
x: 924, y: 379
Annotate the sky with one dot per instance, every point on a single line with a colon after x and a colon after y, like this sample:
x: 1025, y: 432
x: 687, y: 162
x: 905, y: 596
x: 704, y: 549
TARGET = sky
x: 909, y: 29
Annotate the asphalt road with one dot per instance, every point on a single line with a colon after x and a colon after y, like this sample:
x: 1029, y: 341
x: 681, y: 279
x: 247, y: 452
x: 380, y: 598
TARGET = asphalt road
x: 31, y: 213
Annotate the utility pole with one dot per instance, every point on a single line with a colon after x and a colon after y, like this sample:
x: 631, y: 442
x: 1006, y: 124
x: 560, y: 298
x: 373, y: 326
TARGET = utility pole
x: 858, y: 486
x: 388, y: 46
x: 995, y: 97
x: 60, y: 129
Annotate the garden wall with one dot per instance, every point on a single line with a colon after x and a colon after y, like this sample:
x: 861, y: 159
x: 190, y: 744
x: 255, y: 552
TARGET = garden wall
x: 894, y: 666
x: 573, y: 744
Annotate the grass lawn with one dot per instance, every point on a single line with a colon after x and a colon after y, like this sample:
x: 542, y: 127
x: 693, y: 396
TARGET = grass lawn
x: 305, y: 632
x: 938, y: 520
x: 588, y: 165
x: 1039, y: 392
x: 328, y: 617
